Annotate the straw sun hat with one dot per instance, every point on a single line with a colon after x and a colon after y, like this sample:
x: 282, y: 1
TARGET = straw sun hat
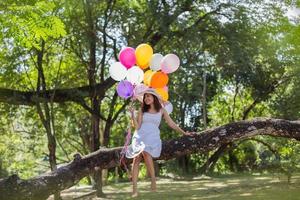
x: 140, y: 96
x: 166, y: 104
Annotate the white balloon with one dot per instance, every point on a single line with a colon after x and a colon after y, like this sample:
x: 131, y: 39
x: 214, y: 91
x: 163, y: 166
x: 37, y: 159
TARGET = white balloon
x: 169, y: 107
x: 156, y: 61
x: 170, y: 63
x: 135, y: 75
x: 117, y: 71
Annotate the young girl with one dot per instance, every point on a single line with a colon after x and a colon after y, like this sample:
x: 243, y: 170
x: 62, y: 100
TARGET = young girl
x: 146, y: 142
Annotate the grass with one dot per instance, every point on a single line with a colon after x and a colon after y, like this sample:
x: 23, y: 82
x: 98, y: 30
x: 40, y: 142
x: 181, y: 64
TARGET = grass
x: 233, y: 187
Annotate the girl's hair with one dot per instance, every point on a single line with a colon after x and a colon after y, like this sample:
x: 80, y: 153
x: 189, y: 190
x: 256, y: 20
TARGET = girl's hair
x: 157, y: 105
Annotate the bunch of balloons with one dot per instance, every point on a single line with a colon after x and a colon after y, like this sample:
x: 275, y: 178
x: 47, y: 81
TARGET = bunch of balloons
x: 139, y: 69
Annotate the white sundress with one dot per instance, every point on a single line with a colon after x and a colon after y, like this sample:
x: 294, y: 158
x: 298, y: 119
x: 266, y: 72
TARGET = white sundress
x: 147, y: 138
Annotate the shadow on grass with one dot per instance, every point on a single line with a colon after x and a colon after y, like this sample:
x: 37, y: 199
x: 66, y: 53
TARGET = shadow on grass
x: 226, y: 187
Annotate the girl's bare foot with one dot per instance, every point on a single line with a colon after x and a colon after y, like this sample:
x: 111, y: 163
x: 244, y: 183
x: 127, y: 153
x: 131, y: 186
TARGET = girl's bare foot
x: 153, y: 187
x: 134, y: 191
x: 129, y: 175
x: 134, y: 194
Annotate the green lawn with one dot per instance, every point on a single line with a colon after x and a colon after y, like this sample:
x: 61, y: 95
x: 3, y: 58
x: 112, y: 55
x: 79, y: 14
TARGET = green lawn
x: 231, y: 187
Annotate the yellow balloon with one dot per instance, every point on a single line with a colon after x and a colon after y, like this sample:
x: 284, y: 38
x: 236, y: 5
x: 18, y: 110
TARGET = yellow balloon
x: 163, y: 93
x: 147, y: 77
x: 143, y: 54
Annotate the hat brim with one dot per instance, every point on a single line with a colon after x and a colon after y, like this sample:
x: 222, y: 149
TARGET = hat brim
x: 140, y: 97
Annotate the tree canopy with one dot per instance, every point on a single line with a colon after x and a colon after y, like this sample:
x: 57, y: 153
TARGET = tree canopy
x: 239, y: 60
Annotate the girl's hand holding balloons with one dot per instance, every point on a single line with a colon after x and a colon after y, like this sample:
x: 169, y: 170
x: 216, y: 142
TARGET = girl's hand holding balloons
x: 131, y: 110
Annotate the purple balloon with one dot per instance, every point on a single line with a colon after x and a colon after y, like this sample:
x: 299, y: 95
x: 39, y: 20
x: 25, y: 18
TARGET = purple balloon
x: 127, y: 57
x: 125, y: 89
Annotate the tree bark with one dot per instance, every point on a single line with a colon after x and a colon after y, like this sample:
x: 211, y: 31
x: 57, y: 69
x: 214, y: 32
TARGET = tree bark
x: 66, y: 176
x: 29, y: 98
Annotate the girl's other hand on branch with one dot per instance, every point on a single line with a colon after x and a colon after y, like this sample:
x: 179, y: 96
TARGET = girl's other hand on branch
x: 190, y: 133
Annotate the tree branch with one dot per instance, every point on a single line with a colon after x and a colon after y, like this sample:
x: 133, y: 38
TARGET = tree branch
x: 66, y: 176
x: 200, y: 20
x: 30, y: 98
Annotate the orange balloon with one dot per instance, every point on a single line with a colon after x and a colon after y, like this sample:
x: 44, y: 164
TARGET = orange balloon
x: 147, y: 77
x: 163, y: 93
x: 159, y: 80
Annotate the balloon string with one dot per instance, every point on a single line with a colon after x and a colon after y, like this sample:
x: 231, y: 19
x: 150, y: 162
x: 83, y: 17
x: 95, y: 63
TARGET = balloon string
x: 127, y: 139
x: 125, y: 147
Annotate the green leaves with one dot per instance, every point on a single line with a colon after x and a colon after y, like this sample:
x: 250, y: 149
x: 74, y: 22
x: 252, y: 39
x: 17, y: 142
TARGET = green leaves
x: 29, y: 24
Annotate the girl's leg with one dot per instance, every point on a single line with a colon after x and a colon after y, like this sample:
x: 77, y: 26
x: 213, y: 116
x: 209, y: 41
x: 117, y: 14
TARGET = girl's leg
x: 135, y: 174
x: 150, y: 166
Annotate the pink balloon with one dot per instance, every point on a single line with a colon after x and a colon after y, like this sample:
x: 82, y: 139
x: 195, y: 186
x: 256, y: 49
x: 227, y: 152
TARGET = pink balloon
x: 139, y: 89
x: 138, y: 92
x: 170, y: 63
x: 166, y: 88
x: 127, y: 57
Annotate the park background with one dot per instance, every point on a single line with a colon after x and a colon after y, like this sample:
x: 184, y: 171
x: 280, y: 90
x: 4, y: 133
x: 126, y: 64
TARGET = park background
x: 239, y: 61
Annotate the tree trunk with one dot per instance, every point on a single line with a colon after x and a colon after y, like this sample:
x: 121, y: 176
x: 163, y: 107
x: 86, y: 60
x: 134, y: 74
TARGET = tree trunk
x: 95, y: 101
x: 208, y: 166
x: 183, y: 163
x: 45, y: 115
x: 233, y: 162
x: 95, y: 145
x: 204, y: 114
x: 183, y: 160
x: 42, y: 186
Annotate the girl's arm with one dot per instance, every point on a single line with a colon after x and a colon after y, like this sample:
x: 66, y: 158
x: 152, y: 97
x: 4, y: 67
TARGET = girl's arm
x: 137, y: 121
x: 172, y: 124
